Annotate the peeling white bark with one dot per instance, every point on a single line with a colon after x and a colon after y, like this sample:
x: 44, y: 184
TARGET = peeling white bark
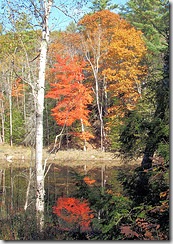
x: 39, y: 117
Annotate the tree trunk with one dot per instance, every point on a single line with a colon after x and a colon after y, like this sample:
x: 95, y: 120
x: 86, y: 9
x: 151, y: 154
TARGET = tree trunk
x: 2, y: 121
x: 83, y: 130
x: 95, y: 68
x: 3, y: 207
x: 39, y: 118
x: 10, y: 107
x: 11, y: 121
x: 39, y: 137
x: 28, y: 189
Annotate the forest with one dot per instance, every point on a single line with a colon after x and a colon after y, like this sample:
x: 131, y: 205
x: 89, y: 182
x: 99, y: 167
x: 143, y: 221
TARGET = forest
x: 101, y: 84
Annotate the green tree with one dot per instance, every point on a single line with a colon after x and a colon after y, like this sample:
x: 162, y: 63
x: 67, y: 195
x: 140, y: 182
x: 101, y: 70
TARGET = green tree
x: 72, y: 27
x: 99, y: 5
x: 152, y: 17
x: 149, y: 192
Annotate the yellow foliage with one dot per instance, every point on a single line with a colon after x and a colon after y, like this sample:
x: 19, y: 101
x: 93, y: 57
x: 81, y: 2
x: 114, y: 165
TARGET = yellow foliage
x: 121, y: 49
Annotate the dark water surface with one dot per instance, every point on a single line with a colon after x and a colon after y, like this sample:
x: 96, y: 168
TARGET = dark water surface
x: 59, y: 181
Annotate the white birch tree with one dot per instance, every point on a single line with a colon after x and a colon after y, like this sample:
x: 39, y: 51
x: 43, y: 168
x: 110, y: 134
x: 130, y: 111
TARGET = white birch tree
x: 39, y: 12
x: 39, y: 115
x: 92, y: 52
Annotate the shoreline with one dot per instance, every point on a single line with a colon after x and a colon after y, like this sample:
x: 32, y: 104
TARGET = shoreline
x: 24, y: 156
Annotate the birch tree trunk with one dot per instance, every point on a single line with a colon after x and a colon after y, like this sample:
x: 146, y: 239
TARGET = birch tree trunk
x: 95, y: 49
x: 9, y: 81
x: 2, y: 120
x: 39, y: 117
x: 83, y: 130
x: 28, y: 189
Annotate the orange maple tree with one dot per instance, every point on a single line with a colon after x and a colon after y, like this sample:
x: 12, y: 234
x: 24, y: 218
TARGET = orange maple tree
x: 74, y: 211
x: 73, y: 97
x: 118, y: 49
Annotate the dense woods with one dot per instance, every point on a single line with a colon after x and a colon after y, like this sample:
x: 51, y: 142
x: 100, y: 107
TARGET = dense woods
x: 101, y: 83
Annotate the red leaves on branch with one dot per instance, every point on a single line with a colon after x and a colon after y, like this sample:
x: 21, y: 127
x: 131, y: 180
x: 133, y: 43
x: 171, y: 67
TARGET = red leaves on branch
x: 88, y: 181
x: 74, y: 211
x: 85, y: 135
x: 71, y: 95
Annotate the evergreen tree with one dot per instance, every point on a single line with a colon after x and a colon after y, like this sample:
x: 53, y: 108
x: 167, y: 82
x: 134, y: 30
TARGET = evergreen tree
x: 152, y: 17
x: 99, y: 5
x: 72, y: 27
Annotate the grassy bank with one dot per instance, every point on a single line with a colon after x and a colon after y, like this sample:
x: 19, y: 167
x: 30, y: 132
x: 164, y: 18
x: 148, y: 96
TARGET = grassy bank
x: 22, y: 156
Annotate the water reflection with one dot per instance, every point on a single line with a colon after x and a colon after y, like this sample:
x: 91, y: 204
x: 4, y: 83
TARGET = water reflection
x: 17, y: 187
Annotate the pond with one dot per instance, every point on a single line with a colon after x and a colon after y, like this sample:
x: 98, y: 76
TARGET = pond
x: 60, y: 181
x: 103, y: 201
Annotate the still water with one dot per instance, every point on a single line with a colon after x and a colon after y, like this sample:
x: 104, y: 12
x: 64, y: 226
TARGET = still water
x: 17, y: 187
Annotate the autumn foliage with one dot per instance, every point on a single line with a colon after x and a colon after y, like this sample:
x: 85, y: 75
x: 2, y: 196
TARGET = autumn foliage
x: 73, y: 97
x: 88, y: 181
x: 17, y: 88
x: 73, y: 211
x: 110, y: 52
x: 119, y: 48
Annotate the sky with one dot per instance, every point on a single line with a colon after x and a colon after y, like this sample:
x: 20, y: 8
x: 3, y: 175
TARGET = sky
x: 60, y: 21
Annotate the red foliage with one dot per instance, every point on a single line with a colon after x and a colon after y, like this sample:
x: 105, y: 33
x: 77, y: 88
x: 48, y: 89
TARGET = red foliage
x: 69, y: 91
x: 74, y: 211
x: 84, y: 135
x: 88, y: 181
